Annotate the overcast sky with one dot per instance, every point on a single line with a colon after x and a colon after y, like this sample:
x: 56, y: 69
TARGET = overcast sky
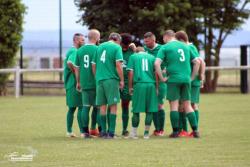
x: 43, y: 15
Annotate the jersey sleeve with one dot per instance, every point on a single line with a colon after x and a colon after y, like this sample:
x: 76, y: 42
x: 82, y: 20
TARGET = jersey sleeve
x: 118, y: 55
x: 160, y: 54
x: 193, y: 52
x: 130, y: 65
x: 77, y: 61
x: 72, y: 57
x: 94, y: 57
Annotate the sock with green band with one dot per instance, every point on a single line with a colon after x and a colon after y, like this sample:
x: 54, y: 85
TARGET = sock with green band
x: 103, y: 119
x: 180, y: 122
x: 183, y: 122
x: 197, y: 114
x: 125, y: 118
x: 94, y: 118
x: 112, y: 123
x: 79, y: 119
x: 192, y: 120
x: 70, y: 118
x: 135, y: 120
x: 174, y: 117
x: 161, y: 119
x: 156, y: 120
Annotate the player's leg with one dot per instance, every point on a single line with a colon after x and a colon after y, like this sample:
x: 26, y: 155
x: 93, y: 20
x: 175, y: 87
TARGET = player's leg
x: 79, y: 119
x: 135, y: 124
x: 183, y: 128
x: 94, y: 120
x: 69, y: 120
x: 125, y: 117
x: 173, y: 95
x: 186, y: 96
x: 102, y: 101
x: 195, y: 98
x: 113, y: 97
x: 148, y: 121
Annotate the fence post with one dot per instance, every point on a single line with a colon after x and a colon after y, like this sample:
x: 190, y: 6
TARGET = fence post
x: 17, y: 82
x: 243, y: 73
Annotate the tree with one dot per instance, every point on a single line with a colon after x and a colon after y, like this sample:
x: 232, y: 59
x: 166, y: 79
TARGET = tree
x: 220, y: 18
x: 214, y: 20
x: 11, y: 20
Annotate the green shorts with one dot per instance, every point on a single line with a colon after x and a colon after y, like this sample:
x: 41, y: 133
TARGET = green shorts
x: 89, y: 97
x: 144, y: 98
x: 125, y: 93
x: 73, y: 97
x: 178, y: 91
x: 107, y: 92
x: 162, y: 92
x: 195, y: 94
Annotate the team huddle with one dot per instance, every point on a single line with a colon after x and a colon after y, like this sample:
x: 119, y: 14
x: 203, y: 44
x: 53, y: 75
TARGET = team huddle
x: 100, y: 76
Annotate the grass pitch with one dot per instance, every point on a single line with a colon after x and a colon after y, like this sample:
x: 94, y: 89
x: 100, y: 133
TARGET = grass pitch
x: 38, y: 124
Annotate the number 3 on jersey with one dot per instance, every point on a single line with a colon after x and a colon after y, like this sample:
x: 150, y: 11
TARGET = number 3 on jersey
x: 103, y: 56
x: 181, y: 52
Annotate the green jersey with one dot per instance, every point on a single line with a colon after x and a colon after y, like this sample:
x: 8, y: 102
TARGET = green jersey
x: 142, y: 65
x: 177, y: 57
x: 194, y: 50
x: 108, y: 53
x: 69, y: 77
x: 126, y: 55
x: 83, y: 60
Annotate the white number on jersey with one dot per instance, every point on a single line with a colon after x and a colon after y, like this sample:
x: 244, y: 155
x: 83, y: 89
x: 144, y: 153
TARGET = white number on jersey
x: 103, y: 56
x: 86, y: 61
x: 181, y: 52
x: 144, y: 64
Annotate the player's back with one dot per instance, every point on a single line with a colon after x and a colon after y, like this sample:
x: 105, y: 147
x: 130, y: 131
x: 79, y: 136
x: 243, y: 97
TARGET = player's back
x: 142, y: 64
x: 106, y: 56
x: 84, y: 58
x: 177, y: 58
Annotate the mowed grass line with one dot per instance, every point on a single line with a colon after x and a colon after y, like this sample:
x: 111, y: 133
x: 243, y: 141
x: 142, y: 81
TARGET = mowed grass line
x: 39, y: 123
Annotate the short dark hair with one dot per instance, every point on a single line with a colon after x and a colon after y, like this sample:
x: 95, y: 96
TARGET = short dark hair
x: 115, y: 36
x: 149, y: 35
x: 169, y: 33
x: 181, y: 36
x: 126, y: 38
x: 76, y: 35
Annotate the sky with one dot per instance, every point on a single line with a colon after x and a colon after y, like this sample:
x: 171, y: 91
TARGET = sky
x: 44, y: 14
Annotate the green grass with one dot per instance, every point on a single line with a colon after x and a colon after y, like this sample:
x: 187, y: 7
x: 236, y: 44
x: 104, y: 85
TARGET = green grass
x: 39, y: 122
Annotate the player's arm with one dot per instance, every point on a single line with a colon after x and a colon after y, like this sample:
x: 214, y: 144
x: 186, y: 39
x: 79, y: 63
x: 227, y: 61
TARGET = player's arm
x: 157, y: 64
x: 71, y: 66
x: 196, y: 66
x: 130, y: 81
x: 120, y: 73
x: 93, y: 68
x: 132, y: 46
x: 76, y: 69
x: 202, y: 71
x: 157, y: 83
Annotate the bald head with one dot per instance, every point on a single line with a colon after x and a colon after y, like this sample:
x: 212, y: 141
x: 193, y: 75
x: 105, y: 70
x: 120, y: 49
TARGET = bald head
x: 94, y: 36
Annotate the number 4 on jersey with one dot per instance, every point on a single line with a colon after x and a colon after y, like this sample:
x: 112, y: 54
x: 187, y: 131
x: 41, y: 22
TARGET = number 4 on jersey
x: 103, y: 56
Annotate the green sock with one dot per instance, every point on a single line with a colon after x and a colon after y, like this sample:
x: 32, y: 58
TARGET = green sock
x: 70, y: 118
x: 125, y: 118
x: 161, y: 119
x: 103, y: 123
x: 174, y: 117
x: 180, y: 122
x: 149, y: 118
x: 197, y: 116
x: 79, y: 119
x: 192, y: 120
x: 146, y: 132
x: 183, y: 122
x: 94, y: 117
x: 108, y: 121
x: 85, y: 117
x: 112, y: 123
x: 156, y: 120
x: 135, y: 120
